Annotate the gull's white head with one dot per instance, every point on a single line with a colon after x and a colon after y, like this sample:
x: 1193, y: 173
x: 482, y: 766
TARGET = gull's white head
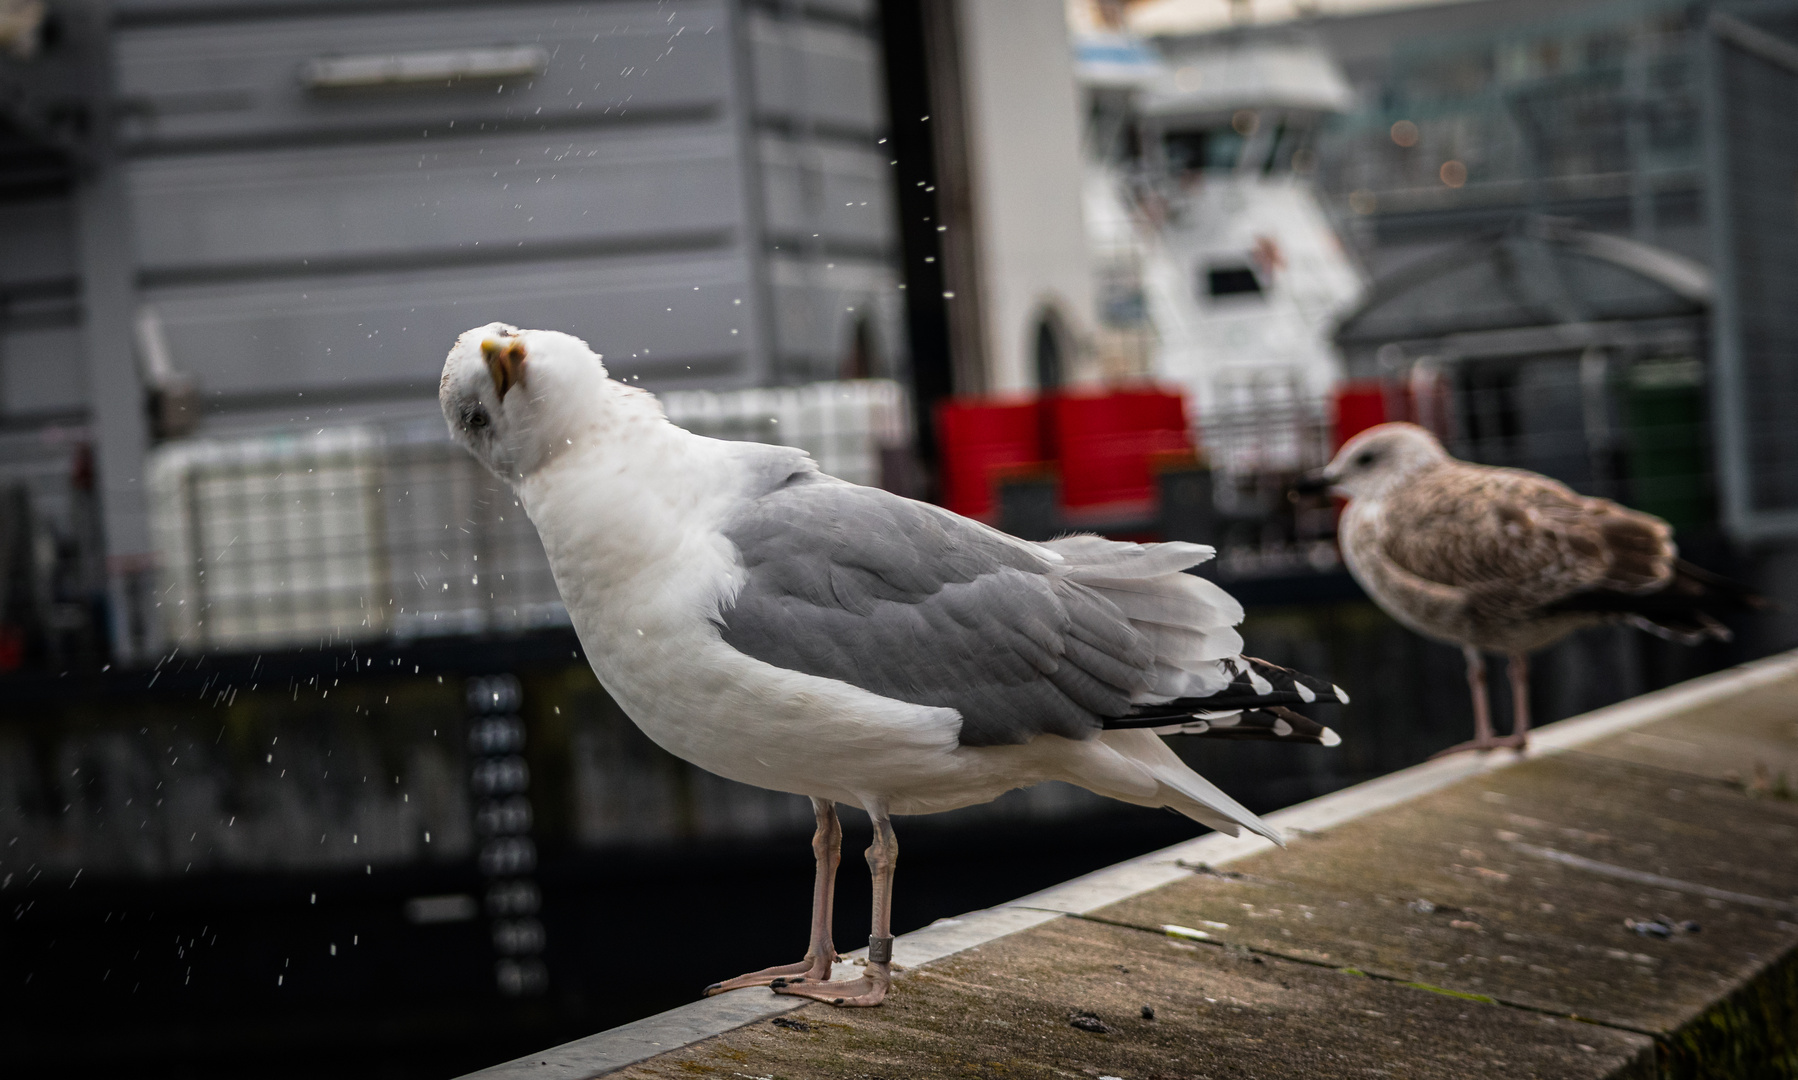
x: 1380, y: 459
x: 517, y: 399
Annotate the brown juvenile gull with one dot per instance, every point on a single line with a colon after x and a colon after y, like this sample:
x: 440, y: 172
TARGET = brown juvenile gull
x: 786, y: 629
x: 1506, y: 560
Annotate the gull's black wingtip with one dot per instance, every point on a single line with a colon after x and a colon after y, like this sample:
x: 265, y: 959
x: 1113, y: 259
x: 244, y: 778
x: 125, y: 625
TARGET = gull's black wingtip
x: 1273, y: 723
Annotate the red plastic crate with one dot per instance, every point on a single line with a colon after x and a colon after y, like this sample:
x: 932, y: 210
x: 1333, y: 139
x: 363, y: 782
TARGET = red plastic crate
x: 1106, y: 443
x: 981, y: 439
x: 1364, y: 403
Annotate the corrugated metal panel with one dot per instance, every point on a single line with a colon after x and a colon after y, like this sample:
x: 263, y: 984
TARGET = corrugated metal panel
x: 41, y: 356
x: 818, y: 304
x: 827, y: 204
x: 654, y: 316
x: 842, y: 194
x: 37, y: 241
x: 860, y: 10
x: 816, y: 74
x: 293, y: 239
x: 298, y: 239
x: 41, y: 370
x: 413, y: 201
x: 242, y: 79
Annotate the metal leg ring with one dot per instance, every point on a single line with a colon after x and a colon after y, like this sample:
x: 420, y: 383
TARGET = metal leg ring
x: 880, y: 950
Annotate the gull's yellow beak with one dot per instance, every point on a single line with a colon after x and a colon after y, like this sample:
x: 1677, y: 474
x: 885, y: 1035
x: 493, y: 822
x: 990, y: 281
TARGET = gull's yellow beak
x: 505, y: 362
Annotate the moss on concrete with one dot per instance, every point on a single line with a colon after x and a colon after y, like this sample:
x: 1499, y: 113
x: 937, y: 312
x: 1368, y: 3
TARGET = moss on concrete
x: 1750, y: 1032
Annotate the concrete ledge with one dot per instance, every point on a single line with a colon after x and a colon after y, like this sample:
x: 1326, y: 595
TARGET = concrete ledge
x: 611, y: 1050
x: 1748, y: 1021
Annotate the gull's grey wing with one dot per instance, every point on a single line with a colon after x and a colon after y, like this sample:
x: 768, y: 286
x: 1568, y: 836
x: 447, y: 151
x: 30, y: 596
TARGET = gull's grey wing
x: 915, y: 603
x: 912, y: 602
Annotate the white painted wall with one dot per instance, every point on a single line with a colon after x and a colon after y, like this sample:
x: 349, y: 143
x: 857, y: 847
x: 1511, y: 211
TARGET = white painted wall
x: 1023, y: 119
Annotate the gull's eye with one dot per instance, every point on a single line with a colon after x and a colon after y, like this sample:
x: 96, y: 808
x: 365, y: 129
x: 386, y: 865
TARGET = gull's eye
x: 475, y: 418
x: 1365, y: 458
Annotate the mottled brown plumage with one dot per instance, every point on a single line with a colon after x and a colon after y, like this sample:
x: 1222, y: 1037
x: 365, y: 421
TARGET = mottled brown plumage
x: 1481, y: 556
x: 1505, y: 560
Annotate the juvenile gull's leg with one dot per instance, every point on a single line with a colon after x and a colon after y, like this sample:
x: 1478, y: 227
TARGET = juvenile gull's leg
x: 871, y: 988
x: 1482, y: 706
x: 1518, y: 666
x: 827, y: 847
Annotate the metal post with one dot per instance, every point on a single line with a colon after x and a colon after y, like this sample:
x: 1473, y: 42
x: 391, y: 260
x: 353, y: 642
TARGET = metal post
x: 1731, y: 418
x: 115, y: 389
x: 761, y: 324
x: 956, y: 210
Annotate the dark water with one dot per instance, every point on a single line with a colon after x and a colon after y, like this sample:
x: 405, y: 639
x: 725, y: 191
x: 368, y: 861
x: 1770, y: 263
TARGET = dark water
x: 180, y: 979
x: 220, y: 874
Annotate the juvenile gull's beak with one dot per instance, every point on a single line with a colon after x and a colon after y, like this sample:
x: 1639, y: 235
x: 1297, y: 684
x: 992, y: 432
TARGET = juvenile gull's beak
x: 505, y: 362
x: 1312, y: 483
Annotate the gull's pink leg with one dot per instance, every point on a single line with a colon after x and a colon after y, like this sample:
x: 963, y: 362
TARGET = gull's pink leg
x: 1482, y: 706
x: 827, y: 847
x: 871, y: 988
x: 1518, y: 665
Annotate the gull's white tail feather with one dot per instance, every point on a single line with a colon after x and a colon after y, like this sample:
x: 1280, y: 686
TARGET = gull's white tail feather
x: 1094, y: 558
x: 1189, y: 622
x: 1139, y: 768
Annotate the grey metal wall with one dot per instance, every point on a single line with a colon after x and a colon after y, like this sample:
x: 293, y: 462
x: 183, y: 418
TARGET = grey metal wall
x: 295, y: 241
x: 40, y: 369
x: 641, y: 192
x: 699, y: 190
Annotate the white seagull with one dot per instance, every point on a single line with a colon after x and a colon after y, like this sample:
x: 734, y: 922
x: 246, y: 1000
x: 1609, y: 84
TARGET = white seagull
x: 787, y: 629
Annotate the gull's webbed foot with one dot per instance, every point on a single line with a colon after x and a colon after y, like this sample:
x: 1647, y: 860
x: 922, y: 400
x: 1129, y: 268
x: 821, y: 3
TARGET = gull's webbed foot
x: 1481, y: 745
x: 870, y: 989
x: 809, y: 969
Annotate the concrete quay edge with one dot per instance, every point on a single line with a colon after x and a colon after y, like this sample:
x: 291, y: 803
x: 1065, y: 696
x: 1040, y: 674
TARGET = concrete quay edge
x: 608, y: 1051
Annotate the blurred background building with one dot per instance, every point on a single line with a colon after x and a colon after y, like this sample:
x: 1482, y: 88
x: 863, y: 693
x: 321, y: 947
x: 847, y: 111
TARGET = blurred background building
x: 1120, y: 266
x: 247, y: 231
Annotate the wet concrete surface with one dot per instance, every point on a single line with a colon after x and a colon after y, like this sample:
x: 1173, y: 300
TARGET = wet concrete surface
x: 1626, y: 909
